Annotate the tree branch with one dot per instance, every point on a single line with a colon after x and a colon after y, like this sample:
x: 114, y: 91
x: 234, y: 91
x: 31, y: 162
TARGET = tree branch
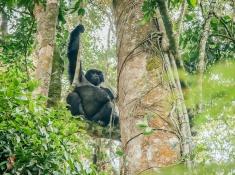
x: 224, y: 36
x: 168, y: 27
x: 180, y: 19
x: 223, y: 23
x: 95, y: 130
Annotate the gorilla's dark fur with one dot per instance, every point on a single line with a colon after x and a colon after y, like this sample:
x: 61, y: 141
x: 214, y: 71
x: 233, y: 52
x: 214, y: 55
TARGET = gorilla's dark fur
x: 73, y: 48
x: 88, y: 98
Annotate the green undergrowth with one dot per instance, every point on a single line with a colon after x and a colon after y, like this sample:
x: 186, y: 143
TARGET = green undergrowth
x: 35, y: 139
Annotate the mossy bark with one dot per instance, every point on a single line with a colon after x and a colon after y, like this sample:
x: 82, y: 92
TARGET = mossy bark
x: 46, y: 18
x: 55, y: 82
x: 4, y: 24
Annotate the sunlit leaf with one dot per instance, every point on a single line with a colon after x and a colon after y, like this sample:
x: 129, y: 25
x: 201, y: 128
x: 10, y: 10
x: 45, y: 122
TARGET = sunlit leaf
x: 192, y: 2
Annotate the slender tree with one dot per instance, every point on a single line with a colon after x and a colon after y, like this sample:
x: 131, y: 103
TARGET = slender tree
x: 202, y: 52
x: 172, y: 57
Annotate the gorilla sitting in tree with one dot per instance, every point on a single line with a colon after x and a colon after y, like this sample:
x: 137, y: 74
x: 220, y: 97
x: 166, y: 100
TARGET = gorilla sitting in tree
x: 95, y: 103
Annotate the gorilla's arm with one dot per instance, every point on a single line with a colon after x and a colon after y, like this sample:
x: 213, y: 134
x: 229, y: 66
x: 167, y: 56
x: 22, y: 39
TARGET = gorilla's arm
x: 96, y: 104
x: 73, y: 48
x: 109, y: 92
x: 93, y: 99
x: 75, y: 105
x: 106, y: 110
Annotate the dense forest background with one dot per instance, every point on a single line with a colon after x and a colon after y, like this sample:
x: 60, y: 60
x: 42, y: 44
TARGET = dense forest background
x: 38, y: 135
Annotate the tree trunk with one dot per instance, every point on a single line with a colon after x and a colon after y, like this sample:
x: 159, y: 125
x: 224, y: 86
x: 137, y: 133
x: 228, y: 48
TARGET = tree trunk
x: 55, y: 83
x: 201, y: 64
x: 46, y: 19
x: 4, y: 24
x: 143, y: 94
x: 170, y: 57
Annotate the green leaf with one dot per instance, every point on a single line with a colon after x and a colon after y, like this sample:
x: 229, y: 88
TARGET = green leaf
x: 77, y: 5
x: 193, y: 3
x: 32, y: 85
x: 2, y: 163
x: 148, y: 131
x: 17, y: 139
x: 120, y: 152
x: 189, y: 17
x: 81, y: 12
x: 142, y: 124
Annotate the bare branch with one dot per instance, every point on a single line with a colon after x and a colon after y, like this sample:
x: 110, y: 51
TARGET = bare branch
x: 180, y: 19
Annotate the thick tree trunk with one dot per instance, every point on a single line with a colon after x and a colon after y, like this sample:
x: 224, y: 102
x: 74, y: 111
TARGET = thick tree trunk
x: 46, y: 28
x: 144, y: 93
x: 55, y: 83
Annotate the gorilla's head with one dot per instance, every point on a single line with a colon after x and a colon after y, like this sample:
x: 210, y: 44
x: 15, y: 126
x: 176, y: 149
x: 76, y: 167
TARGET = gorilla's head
x: 80, y: 28
x: 95, y: 76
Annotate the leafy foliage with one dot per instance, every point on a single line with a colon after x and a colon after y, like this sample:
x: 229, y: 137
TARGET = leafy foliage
x: 149, y: 7
x: 36, y: 139
x: 193, y: 3
x: 18, y: 44
x: 210, y: 169
x: 215, y: 124
x: 219, y: 46
x: 11, y: 4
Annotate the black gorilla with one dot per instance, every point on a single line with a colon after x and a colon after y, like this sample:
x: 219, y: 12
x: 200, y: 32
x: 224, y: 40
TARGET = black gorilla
x: 88, y: 98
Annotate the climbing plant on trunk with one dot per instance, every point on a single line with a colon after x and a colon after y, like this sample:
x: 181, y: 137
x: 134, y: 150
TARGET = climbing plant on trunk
x: 150, y: 130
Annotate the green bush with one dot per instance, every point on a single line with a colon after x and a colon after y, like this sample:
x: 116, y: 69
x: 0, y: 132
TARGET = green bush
x: 33, y: 138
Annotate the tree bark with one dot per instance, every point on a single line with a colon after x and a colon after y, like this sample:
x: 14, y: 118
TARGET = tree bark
x: 143, y: 94
x: 201, y: 58
x: 55, y: 82
x: 46, y: 19
x: 4, y: 24
x: 170, y: 58
x: 173, y: 43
